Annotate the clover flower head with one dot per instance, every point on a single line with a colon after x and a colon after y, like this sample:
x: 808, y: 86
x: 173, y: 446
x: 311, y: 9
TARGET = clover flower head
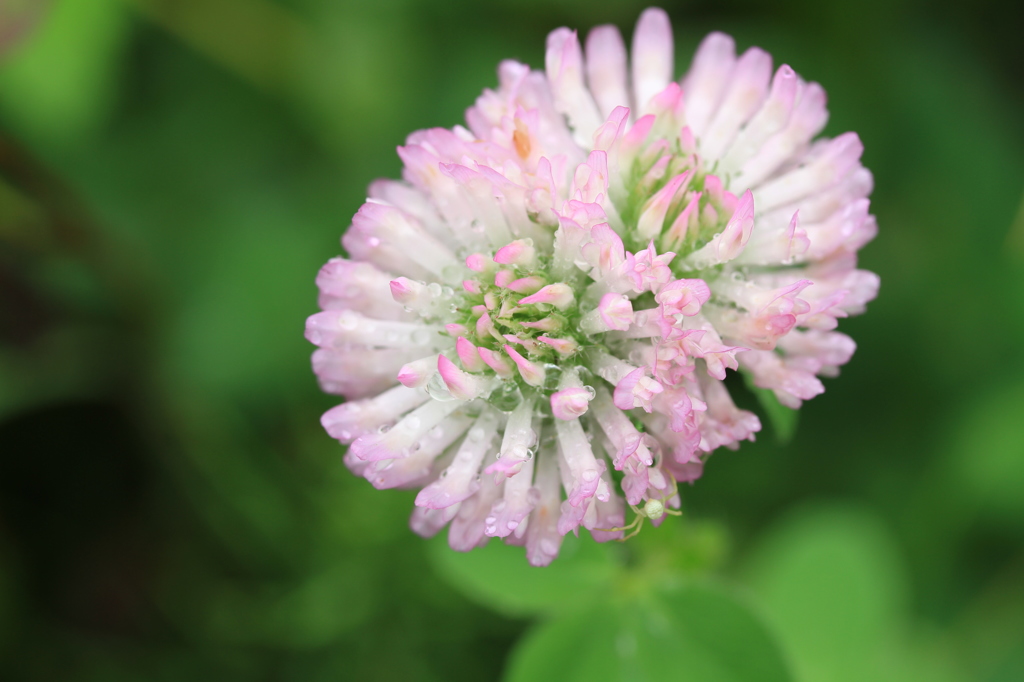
x: 533, y: 326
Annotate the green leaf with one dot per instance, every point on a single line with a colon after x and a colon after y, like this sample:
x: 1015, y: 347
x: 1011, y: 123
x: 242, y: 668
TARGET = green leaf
x: 60, y: 84
x: 831, y: 579
x: 782, y: 418
x: 986, y: 458
x: 698, y: 633
x: 498, y: 576
x: 578, y: 646
x: 720, y: 637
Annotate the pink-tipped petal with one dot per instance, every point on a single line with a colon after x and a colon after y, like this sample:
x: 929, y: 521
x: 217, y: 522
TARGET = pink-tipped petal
x: 636, y: 389
x: 606, y: 68
x: 616, y: 311
x: 653, y: 57
x: 564, y: 347
x: 526, y: 285
x: 462, y: 385
x: 559, y: 295
x: 519, y: 252
x: 571, y: 403
x: 502, y: 367
x: 478, y: 262
x: 531, y: 372
x: 469, y: 356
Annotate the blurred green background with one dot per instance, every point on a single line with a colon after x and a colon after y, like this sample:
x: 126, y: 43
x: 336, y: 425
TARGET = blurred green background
x: 174, y: 172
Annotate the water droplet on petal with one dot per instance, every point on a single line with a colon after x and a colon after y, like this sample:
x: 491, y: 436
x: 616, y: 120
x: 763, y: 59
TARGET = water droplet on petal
x: 507, y: 397
x: 437, y: 389
x: 348, y: 320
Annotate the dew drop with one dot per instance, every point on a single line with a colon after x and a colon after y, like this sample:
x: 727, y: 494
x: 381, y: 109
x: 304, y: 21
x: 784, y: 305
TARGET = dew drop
x: 348, y: 320
x: 552, y: 375
x: 475, y: 434
x: 434, y: 289
x: 437, y: 433
x: 437, y: 389
x: 506, y: 398
x: 374, y: 242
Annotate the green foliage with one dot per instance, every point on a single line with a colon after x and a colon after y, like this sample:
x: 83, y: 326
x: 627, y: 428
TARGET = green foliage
x: 694, y: 632
x: 498, y: 576
x: 987, y: 453
x: 782, y: 419
x: 833, y: 583
x: 60, y: 85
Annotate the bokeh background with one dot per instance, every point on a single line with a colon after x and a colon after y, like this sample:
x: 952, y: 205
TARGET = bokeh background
x: 174, y: 172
